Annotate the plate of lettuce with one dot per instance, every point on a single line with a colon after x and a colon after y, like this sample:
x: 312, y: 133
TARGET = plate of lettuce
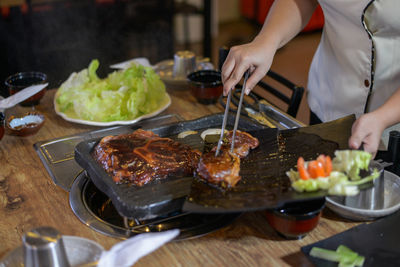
x: 123, y: 97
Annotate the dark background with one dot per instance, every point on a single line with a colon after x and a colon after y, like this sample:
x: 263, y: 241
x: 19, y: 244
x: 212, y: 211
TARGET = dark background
x: 60, y: 37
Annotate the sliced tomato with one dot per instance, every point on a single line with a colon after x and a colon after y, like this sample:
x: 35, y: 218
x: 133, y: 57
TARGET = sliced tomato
x: 315, y: 169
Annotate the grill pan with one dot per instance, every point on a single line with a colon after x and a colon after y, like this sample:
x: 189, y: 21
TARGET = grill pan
x: 164, y: 196
x: 264, y: 182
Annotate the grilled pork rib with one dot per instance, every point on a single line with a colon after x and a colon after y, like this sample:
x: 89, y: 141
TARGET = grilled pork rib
x: 223, y: 170
x: 243, y: 143
x: 143, y: 156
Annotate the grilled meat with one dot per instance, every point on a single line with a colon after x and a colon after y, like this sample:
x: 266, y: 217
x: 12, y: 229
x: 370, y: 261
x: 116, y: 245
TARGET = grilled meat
x: 224, y: 169
x: 143, y: 156
x: 243, y: 142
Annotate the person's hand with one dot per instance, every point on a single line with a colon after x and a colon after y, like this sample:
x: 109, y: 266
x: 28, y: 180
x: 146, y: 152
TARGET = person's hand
x: 256, y: 56
x: 367, y: 131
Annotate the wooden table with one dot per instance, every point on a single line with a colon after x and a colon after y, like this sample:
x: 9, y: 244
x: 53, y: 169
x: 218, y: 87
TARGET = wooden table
x: 29, y: 199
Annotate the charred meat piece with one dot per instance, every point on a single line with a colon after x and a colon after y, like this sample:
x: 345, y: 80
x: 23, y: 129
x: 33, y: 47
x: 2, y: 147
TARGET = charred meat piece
x: 143, y: 156
x: 222, y: 170
x: 243, y: 142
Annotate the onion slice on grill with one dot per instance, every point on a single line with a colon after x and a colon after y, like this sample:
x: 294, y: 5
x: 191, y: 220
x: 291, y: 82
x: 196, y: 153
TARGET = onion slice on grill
x: 186, y: 133
x: 211, y: 131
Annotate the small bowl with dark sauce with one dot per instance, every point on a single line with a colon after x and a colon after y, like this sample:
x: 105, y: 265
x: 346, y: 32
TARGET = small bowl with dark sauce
x: 28, y: 124
x: 22, y: 80
x: 2, y: 119
x: 294, y: 220
x: 206, y: 85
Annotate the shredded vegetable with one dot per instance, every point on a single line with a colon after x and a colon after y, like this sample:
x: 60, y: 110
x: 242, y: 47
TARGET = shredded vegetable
x: 343, y: 255
x: 122, y: 95
x: 340, y: 176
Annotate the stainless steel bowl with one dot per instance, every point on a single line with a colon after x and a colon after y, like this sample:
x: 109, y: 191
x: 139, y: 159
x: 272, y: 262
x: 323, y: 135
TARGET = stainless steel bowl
x: 378, y: 201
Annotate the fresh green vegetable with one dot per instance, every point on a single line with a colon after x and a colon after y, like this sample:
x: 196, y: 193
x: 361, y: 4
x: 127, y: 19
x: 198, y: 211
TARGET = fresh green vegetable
x: 351, y: 162
x: 122, y: 95
x: 342, y: 178
x: 343, y: 255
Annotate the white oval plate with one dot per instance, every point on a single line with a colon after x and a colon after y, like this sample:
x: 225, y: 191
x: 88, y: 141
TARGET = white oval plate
x: 165, y: 105
x: 379, y: 201
x: 80, y: 252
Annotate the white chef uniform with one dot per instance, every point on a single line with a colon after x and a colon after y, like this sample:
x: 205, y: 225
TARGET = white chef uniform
x: 356, y: 67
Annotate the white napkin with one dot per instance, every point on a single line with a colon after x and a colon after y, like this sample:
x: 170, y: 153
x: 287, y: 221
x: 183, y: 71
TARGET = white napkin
x: 140, y: 60
x: 126, y: 253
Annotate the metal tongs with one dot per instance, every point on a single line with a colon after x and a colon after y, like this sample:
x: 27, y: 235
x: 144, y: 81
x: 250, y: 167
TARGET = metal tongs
x: 228, y: 102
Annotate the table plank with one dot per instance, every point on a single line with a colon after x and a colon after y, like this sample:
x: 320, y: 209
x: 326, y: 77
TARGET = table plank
x: 29, y: 199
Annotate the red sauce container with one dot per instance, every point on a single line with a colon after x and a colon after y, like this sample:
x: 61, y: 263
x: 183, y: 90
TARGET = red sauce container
x: 22, y: 80
x: 2, y: 119
x: 295, y: 220
x: 206, y: 86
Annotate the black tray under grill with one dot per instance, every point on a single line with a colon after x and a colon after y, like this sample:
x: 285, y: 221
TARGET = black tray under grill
x: 264, y: 183
x: 163, y: 196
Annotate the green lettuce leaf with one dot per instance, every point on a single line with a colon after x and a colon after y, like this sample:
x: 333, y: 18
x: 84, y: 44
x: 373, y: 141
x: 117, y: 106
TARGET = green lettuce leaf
x: 351, y: 162
x: 122, y: 95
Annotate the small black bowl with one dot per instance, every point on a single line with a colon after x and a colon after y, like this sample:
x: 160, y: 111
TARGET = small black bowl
x: 206, y: 85
x: 22, y: 80
x: 2, y: 119
x: 294, y: 220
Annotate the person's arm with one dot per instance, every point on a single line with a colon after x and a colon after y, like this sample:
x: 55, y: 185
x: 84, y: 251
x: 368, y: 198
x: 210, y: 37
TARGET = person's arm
x: 368, y: 129
x: 285, y: 20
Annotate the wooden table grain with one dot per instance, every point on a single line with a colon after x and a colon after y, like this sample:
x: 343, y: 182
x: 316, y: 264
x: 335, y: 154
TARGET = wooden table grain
x: 29, y: 199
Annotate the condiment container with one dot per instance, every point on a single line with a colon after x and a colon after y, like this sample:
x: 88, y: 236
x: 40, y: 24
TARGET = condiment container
x: 184, y: 64
x: 22, y: 80
x: 28, y: 124
x: 206, y: 85
x: 2, y: 118
x: 44, y: 246
x: 295, y: 219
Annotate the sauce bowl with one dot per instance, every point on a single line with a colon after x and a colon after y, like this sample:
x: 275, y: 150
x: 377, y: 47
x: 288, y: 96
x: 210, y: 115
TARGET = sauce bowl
x: 294, y: 220
x: 206, y: 85
x: 28, y: 124
x: 22, y: 80
x: 2, y: 118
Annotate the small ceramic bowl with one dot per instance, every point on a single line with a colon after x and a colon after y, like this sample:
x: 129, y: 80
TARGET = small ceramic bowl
x: 22, y: 80
x: 28, y: 124
x: 294, y: 220
x: 2, y: 118
x: 206, y: 85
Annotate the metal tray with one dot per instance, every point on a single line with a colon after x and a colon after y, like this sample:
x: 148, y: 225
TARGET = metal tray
x: 160, y: 197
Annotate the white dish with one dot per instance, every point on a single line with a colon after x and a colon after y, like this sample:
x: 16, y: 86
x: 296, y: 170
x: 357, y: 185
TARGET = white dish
x: 379, y: 201
x: 163, y: 107
x: 80, y: 252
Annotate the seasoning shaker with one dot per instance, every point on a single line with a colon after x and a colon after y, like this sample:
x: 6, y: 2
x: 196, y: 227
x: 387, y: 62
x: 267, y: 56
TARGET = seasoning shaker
x: 44, y: 246
x: 184, y: 64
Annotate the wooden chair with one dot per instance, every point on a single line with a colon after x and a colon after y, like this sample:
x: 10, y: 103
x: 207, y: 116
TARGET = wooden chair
x: 292, y: 101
